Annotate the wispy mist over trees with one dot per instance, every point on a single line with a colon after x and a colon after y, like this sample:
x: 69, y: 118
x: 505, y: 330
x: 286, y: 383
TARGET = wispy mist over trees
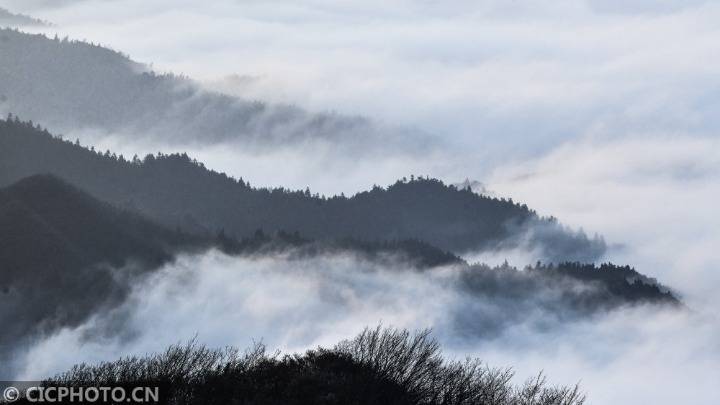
x: 180, y: 192
x: 602, y: 287
x: 68, y: 257
x: 74, y: 85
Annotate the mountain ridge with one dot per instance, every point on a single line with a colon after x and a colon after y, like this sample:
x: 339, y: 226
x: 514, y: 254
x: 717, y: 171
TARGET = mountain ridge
x: 178, y: 191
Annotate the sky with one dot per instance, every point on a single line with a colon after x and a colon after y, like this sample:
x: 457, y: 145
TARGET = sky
x: 602, y: 113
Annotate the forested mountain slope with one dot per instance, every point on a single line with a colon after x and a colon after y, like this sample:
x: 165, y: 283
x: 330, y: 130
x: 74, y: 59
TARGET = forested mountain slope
x: 180, y: 192
x: 72, y: 85
x: 65, y: 255
x: 64, y: 227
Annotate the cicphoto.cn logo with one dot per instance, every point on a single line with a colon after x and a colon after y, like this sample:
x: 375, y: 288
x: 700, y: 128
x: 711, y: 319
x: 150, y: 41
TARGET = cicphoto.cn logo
x: 81, y: 395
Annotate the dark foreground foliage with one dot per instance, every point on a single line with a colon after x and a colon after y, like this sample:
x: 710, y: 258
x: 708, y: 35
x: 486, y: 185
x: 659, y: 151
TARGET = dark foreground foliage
x: 379, y: 366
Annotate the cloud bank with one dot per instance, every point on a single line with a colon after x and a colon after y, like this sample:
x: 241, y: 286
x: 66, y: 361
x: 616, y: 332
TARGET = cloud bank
x: 295, y: 304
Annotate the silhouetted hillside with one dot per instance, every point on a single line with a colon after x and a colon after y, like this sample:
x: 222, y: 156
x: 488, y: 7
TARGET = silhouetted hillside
x: 43, y: 211
x: 178, y: 191
x: 377, y: 367
x: 65, y: 255
x: 73, y: 85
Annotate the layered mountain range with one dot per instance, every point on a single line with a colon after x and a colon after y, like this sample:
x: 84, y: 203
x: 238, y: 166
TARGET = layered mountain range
x: 177, y: 191
x: 79, y: 228
x: 82, y: 230
x: 67, y: 256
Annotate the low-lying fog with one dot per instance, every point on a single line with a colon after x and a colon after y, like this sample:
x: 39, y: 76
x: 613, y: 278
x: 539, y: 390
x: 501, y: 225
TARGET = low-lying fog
x: 295, y: 304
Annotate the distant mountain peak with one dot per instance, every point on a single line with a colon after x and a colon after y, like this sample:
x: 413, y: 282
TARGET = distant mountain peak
x: 475, y: 186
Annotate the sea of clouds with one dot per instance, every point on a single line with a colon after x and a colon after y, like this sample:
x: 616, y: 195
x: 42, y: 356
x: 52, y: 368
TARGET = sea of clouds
x: 602, y: 113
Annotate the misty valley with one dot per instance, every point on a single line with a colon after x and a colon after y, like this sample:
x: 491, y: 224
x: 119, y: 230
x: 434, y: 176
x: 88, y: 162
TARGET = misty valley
x: 74, y: 261
x: 134, y: 250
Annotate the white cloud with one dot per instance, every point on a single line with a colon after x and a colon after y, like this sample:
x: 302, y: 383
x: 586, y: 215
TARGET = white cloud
x: 633, y: 356
x: 298, y: 304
